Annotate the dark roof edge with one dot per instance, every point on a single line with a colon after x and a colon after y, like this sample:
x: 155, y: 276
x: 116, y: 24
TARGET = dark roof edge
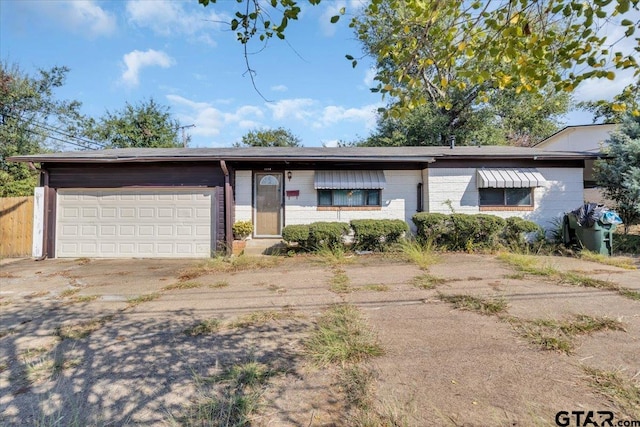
x: 36, y: 159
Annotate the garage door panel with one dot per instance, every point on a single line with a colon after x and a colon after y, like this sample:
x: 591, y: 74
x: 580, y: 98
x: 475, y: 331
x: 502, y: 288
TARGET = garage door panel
x: 135, y: 223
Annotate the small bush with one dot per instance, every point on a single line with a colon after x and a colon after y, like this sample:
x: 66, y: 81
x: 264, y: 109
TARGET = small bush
x: 489, y: 229
x: 296, y: 234
x: 329, y: 234
x: 242, y: 229
x: 431, y: 226
x: 377, y: 234
x: 516, y: 229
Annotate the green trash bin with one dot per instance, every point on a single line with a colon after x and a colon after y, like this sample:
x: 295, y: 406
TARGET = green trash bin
x: 598, y: 238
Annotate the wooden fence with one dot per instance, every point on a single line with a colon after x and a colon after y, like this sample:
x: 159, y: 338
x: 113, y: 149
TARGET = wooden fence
x: 16, y: 226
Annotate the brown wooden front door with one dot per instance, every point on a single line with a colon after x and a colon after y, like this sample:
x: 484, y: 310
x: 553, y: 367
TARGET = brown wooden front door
x: 268, y: 203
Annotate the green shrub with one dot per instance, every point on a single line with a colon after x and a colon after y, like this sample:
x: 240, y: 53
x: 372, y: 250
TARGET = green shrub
x: 329, y: 234
x: 296, y: 234
x: 377, y: 234
x: 463, y: 232
x: 431, y: 226
x: 489, y: 229
x: 242, y: 229
x: 516, y: 228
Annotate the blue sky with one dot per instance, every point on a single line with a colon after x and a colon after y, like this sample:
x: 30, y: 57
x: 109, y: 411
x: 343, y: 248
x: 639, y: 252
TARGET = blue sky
x: 180, y: 54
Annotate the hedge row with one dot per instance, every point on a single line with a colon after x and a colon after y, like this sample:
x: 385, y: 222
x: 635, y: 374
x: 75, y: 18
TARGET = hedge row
x: 368, y: 234
x: 466, y: 232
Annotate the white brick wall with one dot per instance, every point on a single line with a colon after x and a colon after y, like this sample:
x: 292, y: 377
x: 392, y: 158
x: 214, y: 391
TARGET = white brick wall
x: 561, y: 193
x: 399, y: 199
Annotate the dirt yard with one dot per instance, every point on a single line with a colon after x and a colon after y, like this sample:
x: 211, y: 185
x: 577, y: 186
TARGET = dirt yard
x: 470, y: 340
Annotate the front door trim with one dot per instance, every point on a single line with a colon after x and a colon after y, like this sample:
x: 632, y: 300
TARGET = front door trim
x: 267, y: 177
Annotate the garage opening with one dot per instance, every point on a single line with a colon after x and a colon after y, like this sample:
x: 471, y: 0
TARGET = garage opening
x: 136, y: 223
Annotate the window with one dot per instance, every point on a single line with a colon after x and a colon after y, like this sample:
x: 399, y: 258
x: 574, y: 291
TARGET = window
x: 506, y: 196
x: 348, y: 197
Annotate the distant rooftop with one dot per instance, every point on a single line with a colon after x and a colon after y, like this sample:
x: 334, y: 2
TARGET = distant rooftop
x: 372, y: 154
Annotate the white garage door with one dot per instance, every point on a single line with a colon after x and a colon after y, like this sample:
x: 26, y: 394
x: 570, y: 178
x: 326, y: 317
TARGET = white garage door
x: 170, y: 223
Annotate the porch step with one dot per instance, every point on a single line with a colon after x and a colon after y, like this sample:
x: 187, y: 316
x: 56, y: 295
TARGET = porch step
x: 264, y: 246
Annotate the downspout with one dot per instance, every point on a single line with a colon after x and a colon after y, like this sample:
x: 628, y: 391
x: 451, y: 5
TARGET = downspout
x: 45, y: 216
x: 228, y: 196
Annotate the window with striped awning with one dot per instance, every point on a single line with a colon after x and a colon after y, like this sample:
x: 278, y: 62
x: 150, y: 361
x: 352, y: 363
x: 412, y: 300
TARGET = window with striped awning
x: 349, y: 180
x: 509, y: 178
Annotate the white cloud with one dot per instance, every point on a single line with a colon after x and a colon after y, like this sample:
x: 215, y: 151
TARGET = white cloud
x: 333, y: 9
x: 79, y: 16
x: 369, y: 76
x: 279, y: 88
x: 330, y: 143
x: 171, y: 18
x: 211, y: 121
x: 136, y: 60
x: 332, y: 115
x: 292, y: 109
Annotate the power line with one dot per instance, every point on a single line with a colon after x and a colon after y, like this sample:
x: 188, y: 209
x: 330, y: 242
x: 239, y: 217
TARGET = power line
x: 58, y: 131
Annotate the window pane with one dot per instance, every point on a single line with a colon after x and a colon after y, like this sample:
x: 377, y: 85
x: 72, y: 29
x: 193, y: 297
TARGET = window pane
x: 340, y: 198
x: 373, y: 198
x: 324, y: 197
x: 518, y: 196
x: 491, y: 196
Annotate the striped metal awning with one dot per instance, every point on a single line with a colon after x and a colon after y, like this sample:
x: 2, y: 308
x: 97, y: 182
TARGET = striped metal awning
x: 510, y: 178
x: 349, y: 180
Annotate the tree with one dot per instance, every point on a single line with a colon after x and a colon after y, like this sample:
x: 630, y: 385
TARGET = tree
x: 31, y: 121
x: 619, y: 174
x: 279, y: 137
x: 522, y: 120
x: 429, y: 49
x: 146, y: 124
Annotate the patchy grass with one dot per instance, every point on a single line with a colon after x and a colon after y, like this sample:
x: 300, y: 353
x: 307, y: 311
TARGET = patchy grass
x: 228, y: 265
x: 219, y: 284
x: 620, y: 262
x: 67, y: 293
x: 182, y: 285
x: 258, y: 318
x: 242, y: 387
x: 134, y: 301
x: 376, y: 287
x: 81, y: 330
x: 340, y: 282
x: 486, y: 306
x: 577, y: 279
x: 4, y: 302
x: 559, y: 335
x: 84, y: 298
x: 277, y: 289
x: 206, y: 327
x: 342, y: 336
x: 629, y: 293
x: 528, y: 264
x: 623, y: 392
x: 421, y: 255
x: 427, y: 281
x: 332, y: 256
x: 515, y: 276
x: 83, y: 260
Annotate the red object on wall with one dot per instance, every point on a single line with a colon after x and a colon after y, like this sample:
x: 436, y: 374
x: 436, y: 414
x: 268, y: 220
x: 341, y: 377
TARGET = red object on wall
x: 292, y: 193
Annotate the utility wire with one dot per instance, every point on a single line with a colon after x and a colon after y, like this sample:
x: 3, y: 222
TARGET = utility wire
x: 59, y: 132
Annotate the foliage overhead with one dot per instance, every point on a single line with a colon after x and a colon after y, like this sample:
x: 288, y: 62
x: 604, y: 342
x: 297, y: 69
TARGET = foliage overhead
x: 279, y: 137
x: 619, y: 174
x: 146, y: 124
x: 522, y: 120
x: 32, y: 120
x: 427, y: 50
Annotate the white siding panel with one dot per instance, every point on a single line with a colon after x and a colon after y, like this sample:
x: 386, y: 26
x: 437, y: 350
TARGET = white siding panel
x: 562, y: 192
x: 399, y: 200
x: 135, y: 223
